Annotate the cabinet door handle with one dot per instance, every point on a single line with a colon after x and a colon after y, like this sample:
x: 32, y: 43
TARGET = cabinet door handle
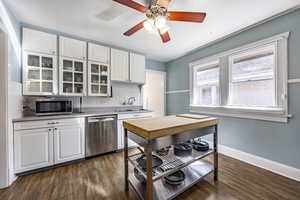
x: 51, y: 123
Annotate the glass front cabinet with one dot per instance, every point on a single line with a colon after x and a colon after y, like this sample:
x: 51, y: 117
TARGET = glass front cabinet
x: 39, y: 74
x: 98, y: 79
x: 72, y: 77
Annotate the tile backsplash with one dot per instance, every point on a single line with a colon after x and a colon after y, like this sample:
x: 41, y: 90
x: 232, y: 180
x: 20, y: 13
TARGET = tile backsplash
x: 120, y: 93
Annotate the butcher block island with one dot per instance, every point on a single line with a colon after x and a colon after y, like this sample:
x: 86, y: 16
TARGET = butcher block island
x: 171, y: 149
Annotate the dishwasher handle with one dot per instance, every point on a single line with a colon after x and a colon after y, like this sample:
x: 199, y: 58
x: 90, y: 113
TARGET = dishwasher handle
x: 93, y: 120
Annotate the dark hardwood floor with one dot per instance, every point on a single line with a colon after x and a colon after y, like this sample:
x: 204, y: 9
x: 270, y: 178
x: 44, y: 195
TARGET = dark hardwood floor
x: 102, y: 178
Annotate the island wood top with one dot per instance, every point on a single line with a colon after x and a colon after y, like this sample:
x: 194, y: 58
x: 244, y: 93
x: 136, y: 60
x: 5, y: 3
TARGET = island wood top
x: 157, y: 127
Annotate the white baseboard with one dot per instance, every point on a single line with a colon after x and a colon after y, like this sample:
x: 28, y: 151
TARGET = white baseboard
x: 278, y: 168
x: 296, y: 80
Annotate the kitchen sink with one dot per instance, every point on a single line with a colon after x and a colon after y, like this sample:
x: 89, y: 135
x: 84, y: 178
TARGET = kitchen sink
x: 130, y: 110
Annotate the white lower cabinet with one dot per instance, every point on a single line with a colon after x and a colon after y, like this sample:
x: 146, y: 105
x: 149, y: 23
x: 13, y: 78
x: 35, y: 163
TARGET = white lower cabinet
x: 123, y: 117
x: 39, y: 144
x: 33, y: 149
x: 68, y: 144
x: 121, y: 137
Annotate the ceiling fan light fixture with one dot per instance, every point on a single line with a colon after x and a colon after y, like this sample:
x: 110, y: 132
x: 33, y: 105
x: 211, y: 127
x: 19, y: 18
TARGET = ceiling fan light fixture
x: 149, y: 26
x: 160, y: 22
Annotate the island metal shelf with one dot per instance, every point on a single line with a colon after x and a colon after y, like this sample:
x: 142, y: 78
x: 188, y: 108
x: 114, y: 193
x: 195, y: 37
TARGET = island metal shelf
x: 158, y: 174
x: 156, y: 133
x: 161, y: 190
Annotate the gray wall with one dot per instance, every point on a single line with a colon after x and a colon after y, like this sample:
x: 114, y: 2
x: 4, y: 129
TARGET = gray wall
x: 155, y: 65
x: 13, y: 56
x: 275, y: 141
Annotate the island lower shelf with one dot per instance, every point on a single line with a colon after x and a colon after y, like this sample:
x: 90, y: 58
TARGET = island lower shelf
x: 186, y: 160
x: 194, y: 173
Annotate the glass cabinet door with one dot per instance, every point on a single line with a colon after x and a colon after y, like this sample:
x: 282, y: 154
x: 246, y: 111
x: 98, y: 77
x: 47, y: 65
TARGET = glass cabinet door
x: 98, y: 79
x: 73, y: 77
x: 39, y: 72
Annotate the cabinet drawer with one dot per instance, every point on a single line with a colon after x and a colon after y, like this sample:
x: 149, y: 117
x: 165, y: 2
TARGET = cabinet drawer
x: 47, y: 123
x: 134, y: 115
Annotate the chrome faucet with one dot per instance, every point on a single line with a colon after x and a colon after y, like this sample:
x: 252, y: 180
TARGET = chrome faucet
x: 131, y: 100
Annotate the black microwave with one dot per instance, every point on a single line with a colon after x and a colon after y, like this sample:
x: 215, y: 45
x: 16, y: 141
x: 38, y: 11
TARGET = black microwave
x: 53, y: 107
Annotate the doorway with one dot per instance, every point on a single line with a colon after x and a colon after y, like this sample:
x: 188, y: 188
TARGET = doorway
x: 154, y: 92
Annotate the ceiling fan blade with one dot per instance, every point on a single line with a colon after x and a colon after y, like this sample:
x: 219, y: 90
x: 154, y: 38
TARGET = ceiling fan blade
x: 132, y: 4
x: 165, y: 37
x: 186, y: 16
x: 134, y: 29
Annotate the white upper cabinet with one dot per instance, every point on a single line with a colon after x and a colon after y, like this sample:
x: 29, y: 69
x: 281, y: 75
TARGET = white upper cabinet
x: 39, y: 74
x: 137, y: 68
x: 98, y: 79
x: 98, y: 53
x: 119, y: 65
x: 72, y: 75
x: 40, y: 42
x: 39, y: 63
x: 72, y: 48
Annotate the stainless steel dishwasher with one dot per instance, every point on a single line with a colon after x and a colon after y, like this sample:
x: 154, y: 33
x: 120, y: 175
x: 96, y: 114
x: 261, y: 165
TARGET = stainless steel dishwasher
x: 101, y: 135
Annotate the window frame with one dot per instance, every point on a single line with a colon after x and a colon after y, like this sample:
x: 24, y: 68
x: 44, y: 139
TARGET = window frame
x: 248, y: 51
x: 207, y: 66
x: 277, y: 114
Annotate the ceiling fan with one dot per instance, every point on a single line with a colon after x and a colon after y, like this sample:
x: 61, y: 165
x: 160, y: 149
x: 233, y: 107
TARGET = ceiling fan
x: 157, y: 15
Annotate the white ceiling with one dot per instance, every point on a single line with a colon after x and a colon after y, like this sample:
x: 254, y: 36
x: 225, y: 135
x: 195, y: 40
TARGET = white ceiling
x: 105, y: 21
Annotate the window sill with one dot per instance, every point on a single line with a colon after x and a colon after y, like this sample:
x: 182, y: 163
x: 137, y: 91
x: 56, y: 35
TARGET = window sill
x: 266, y: 114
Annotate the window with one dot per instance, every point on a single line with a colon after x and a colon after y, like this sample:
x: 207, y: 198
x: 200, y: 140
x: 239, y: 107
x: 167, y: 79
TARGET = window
x: 247, y: 82
x: 252, y: 78
x: 206, y: 89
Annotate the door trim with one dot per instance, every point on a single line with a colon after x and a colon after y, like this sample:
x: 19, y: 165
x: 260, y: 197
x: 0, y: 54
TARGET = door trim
x: 4, y: 153
x: 165, y: 86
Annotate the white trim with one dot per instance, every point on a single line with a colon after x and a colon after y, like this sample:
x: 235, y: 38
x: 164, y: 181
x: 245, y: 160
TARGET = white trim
x: 177, y: 91
x: 276, y: 115
x: 277, y: 168
x: 281, y: 97
x: 296, y: 80
x: 4, y: 148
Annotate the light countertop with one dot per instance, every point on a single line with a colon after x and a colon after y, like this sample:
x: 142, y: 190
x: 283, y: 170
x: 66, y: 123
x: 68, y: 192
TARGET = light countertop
x: 78, y: 115
x: 157, y: 127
